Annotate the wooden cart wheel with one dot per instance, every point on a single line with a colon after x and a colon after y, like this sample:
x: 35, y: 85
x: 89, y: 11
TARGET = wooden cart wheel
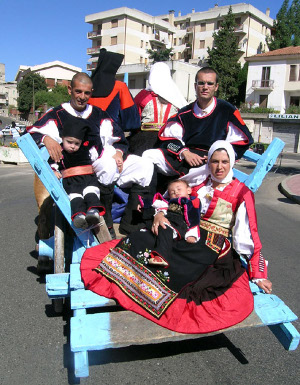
x: 59, y: 253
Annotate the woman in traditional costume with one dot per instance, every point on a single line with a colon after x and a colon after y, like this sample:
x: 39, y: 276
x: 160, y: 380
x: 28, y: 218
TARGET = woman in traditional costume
x: 205, y: 286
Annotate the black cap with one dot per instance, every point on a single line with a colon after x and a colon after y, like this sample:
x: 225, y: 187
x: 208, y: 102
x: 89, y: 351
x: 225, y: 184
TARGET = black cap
x: 75, y: 127
x: 104, y: 76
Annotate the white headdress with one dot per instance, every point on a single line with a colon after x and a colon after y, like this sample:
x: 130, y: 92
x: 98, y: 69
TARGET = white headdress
x: 162, y: 84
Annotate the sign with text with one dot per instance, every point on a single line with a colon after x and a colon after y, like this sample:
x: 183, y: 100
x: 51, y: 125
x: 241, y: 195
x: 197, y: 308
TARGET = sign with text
x: 284, y: 116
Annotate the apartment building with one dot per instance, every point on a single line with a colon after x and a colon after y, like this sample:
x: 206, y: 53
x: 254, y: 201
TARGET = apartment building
x: 132, y: 32
x: 8, y: 93
x: 55, y: 72
x: 274, y: 79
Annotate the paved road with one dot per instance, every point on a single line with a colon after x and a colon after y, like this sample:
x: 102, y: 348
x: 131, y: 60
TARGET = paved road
x: 34, y: 342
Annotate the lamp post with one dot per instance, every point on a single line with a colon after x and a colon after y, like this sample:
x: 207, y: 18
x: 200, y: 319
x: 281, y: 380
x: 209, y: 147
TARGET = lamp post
x: 33, y: 103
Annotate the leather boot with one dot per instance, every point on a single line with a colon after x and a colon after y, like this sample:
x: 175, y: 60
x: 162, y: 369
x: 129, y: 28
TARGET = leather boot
x: 106, y: 198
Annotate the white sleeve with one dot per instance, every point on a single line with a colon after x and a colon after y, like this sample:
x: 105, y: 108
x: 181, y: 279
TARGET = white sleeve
x: 173, y: 130
x: 235, y: 134
x: 241, y: 234
x: 193, y: 232
x: 49, y: 129
x: 106, y: 133
x: 160, y: 206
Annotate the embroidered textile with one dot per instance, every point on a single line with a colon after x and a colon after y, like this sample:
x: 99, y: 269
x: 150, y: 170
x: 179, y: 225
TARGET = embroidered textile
x: 137, y: 281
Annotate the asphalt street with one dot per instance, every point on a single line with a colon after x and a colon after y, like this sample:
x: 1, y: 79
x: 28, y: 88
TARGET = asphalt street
x: 35, y: 342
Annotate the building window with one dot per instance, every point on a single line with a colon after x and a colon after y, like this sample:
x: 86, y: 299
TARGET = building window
x: 174, y: 41
x: 295, y: 101
x: 203, y: 27
x: 131, y: 83
x: 263, y: 101
x: 143, y: 27
x: 99, y: 42
x: 265, y: 76
x: 99, y: 28
x: 113, y: 40
x: 202, y: 44
x: 141, y: 59
x: 293, y: 73
x: 147, y: 43
x: 142, y: 43
x: 114, y: 23
x: 219, y: 22
x: 179, y: 55
x: 148, y: 29
x: 238, y: 21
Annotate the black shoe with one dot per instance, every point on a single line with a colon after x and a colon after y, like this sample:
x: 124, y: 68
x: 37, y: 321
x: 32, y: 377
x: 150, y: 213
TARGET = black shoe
x: 112, y: 233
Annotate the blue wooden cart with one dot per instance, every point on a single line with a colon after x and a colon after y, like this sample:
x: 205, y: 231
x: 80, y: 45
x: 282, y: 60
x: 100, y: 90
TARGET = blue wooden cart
x: 105, y: 328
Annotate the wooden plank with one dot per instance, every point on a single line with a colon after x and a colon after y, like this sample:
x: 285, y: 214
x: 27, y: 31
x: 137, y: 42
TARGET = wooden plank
x: 75, y: 277
x: 57, y: 284
x: 38, y: 160
x: 86, y: 299
x: 287, y: 334
x: 112, y: 330
x: 272, y: 310
x: 264, y: 164
x: 81, y: 364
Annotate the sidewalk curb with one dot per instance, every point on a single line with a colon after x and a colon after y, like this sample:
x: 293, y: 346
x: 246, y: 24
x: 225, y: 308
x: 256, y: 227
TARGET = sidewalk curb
x: 283, y: 187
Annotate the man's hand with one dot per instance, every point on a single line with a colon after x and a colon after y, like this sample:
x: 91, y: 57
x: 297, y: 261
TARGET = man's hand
x: 53, y: 148
x: 192, y: 159
x: 119, y: 160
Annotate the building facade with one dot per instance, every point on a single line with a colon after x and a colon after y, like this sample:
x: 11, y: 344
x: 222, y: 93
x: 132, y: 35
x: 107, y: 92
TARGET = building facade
x: 274, y: 79
x: 132, y: 32
x: 55, y: 72
x: 8, y: 93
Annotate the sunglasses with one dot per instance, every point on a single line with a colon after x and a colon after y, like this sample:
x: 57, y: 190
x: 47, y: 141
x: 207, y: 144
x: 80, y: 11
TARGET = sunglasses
x: 201, y: 84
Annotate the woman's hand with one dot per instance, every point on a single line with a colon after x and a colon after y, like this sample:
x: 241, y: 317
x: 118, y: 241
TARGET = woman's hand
x: 159, y: 220
x: 266, y: 285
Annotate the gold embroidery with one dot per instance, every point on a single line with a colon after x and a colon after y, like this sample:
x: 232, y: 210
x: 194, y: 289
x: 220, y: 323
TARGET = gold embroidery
x: 175, y: 208
x: 215, y: 241
x: 214, y: 228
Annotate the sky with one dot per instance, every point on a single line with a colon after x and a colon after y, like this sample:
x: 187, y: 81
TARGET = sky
x: 36, y: 31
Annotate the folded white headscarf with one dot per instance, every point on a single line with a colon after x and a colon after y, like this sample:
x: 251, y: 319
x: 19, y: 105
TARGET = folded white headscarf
x: 162, y: 84
x: 221, y: 144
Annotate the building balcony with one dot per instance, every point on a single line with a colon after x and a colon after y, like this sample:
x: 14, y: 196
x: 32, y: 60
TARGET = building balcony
x: 93, y: 50
x: 94, y: 34
x: 189, y: 29
x: 91, y: 66
x: 240, y: 29
x: 242, y: 47
x: 263, y: 84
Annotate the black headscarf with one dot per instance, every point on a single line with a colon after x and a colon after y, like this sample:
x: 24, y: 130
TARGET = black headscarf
x: 103, y: 77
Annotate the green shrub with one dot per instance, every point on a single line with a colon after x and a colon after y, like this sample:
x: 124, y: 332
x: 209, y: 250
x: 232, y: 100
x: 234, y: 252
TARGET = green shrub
x: 293, y: 110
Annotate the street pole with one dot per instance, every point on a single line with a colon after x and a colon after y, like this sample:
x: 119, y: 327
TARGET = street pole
x: 33, y: 104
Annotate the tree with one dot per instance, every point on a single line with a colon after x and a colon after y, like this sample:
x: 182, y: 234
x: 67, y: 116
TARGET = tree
x: 242, y: 84
x: 32, y: 81
x: 282, y: 36
x: 160, y: 55
x: 59, y: 94
x: 294, y: 19
x: 224, y: 58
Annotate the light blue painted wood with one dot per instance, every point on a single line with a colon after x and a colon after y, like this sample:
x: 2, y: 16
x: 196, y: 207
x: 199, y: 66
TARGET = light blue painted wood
x: 38, y: 160
x: 46, y: 247
x: 90, y: 332
x: 87, y: 299
x: 287, y: 334
x: 81, y: 364
x: 272, y: 310
x: 57, y: 284
x: 264, y: 164
x: 126, y: 78
x: 75, y: 277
